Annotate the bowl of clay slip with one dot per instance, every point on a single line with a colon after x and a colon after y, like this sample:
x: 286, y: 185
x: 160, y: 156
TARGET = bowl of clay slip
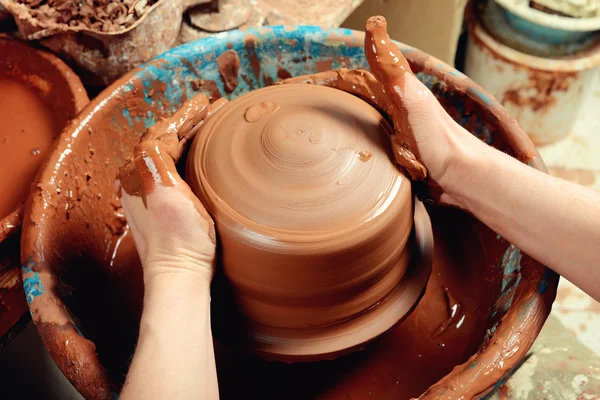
x: 39, y: 95
x: 314, y: 219
x: 484, y: 303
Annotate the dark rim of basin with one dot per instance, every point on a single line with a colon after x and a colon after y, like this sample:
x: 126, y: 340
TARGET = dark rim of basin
x: 53, y: 259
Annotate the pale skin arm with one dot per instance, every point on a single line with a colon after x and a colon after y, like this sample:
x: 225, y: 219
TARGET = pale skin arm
x: 554, y: 221
x: 175, y: 239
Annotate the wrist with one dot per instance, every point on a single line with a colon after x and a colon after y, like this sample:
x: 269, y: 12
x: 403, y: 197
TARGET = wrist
x: 175, y: 272
x: 466, y: 159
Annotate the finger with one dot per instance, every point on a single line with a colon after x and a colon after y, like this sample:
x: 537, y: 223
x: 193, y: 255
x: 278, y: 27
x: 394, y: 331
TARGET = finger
x: 387, y: 62
x: 391, y: 68
x: 186, y: 136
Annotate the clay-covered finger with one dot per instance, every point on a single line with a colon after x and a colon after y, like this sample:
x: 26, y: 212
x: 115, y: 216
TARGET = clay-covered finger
x: 167, y: 132
x: 389, y: 65
x: 186, y: 136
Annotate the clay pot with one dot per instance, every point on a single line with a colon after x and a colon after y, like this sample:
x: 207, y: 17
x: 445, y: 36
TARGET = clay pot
x: 57, y: 87
x: 313, y: 217
x: 484, y: 304
x: 103, y: 57
x: 39, y: 95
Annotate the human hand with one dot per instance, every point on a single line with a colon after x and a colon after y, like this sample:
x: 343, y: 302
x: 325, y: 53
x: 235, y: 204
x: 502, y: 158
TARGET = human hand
x: 425, y: 135
x: 172, y: 231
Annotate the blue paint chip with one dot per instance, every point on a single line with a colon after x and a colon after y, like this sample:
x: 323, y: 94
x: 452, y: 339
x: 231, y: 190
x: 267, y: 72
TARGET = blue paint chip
x: 480, y: 95
x: 32, y: 284
x: 544, y: 282
x: 457, y: 74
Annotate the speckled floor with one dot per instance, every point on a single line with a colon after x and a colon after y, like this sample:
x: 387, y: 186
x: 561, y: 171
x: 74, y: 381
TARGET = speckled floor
x: 577, y: 158
x: 565, y: 360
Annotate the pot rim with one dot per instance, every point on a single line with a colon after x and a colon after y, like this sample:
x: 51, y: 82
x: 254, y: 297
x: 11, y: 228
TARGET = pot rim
x: 582, y: 61
x: 549, y: 20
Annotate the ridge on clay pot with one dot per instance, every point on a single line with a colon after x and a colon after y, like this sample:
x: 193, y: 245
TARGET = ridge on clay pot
x: 484, y: 304
x: 313, y: 217
x: 56, y: 94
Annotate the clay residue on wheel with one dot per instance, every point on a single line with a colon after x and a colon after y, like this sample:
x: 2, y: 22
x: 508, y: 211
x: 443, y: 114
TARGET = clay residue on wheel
x: 229, y: 66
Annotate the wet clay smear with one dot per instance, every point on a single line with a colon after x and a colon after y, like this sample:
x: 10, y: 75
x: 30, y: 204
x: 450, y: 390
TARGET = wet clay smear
x: 28, y: 128
x: 229, y: 66
x: 98, y: 15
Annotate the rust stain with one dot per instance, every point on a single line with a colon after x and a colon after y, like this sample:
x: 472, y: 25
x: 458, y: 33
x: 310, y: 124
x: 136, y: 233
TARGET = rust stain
x: 504, y: 393
x: 539, y: 90
x: 535, y: 5
x: 581, y: 176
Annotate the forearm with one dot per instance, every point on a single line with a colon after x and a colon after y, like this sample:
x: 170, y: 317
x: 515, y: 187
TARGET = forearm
x: 554, y: 221
x: 174, y: 358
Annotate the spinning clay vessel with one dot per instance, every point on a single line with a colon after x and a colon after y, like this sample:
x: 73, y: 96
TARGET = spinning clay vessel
x: 483, y: 306
x: 313, y: 219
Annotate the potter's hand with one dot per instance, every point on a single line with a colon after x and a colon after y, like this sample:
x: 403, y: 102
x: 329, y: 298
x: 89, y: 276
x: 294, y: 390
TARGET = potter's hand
x: 425, y: 135
x: 172, y: 231
x: 175, y: 239
x: 554, y: 221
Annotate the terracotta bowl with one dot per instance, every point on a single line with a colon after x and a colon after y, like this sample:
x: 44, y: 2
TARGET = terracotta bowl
x: 483, y: 307
x: 54, y: 83
x: 44, y: 80
x: 313, y: 218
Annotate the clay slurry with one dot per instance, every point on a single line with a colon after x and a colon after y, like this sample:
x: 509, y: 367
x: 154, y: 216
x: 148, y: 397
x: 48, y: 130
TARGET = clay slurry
x: 28, y: 128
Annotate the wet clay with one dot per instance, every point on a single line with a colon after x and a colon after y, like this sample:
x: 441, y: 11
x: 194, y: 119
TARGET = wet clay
x: 405, y: 362
x: 28, y: 129
x: 302, y: 176
x: 257, y: 111
x: 388, y: 67
x: 229, y: 66
x: 153, y: 160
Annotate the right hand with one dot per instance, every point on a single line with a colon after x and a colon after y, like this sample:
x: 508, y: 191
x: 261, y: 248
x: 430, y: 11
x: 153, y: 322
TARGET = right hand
x: 432, y: 137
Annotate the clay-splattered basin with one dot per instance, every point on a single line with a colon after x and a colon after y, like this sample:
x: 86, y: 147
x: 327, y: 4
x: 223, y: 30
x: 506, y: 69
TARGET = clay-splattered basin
x: 483, y: 307
x: 62, y: 96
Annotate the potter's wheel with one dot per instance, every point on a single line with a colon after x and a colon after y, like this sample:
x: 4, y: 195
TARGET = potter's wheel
x: 482, y: 309
x: 314, y: 219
